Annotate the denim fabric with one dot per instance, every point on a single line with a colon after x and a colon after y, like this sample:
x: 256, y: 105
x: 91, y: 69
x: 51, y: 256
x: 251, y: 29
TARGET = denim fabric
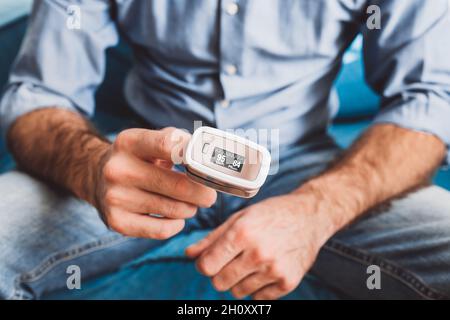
x: 42, y: 231
x: 165, y: 273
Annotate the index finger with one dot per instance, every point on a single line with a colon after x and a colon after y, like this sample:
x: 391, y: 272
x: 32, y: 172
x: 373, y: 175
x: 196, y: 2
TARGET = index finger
x: 220, y: 253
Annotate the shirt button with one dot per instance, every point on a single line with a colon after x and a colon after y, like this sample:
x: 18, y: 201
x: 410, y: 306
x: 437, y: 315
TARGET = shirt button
x: 225, y: 104
x: 232, y: 8
x: 230, y: 69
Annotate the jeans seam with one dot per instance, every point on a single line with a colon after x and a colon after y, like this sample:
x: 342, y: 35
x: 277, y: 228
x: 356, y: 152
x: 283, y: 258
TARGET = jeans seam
x: 406, y: 277
x: 56, y: 258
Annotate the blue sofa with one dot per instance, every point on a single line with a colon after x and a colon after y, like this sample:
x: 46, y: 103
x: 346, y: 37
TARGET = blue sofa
x: 166, y: 268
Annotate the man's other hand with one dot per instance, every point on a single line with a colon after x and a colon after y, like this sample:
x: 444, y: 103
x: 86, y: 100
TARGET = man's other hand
x: 264, y: 250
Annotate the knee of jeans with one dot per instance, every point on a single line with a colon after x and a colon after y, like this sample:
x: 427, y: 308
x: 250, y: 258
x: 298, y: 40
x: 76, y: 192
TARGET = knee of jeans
x: 24, y: 206
x: 36, y: 221
x: 20, y: 203
x: 409, y: 239
x: 426, y: 210
x: 22, y: 194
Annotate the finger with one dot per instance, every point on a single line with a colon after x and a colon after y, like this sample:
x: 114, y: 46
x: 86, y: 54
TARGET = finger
x: 220, y: 253
x: 197, y: 248
x: 175, y: 185
x: 138, y: 201
x: 140, y: 226
x: 234, y: 272
x: 166, y: 144
x: 178, y: 186
x: 251, y: 284
x: 163, y: 163
x: 270, y: 292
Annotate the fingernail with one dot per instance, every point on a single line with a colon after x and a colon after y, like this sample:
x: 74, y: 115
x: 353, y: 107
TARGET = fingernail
x: 189, y: 248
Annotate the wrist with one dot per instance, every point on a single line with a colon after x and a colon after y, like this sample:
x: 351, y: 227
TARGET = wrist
x: 87, y: 185
x: 333, y: 206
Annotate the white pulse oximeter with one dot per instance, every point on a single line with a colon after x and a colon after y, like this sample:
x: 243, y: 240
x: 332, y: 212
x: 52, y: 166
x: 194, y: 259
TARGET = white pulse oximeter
x: 226, y: 162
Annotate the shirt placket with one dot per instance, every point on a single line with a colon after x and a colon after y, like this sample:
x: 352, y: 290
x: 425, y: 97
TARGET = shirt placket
x: 230, y: 33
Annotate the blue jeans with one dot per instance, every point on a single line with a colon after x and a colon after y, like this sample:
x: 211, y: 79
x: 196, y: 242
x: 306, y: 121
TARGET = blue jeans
x: 44, y: 230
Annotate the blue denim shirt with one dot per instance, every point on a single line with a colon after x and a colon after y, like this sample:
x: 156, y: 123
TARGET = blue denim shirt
x: 238, y: 64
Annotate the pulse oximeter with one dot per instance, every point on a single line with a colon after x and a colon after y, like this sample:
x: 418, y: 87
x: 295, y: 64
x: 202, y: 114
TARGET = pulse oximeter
x: 226, y: 162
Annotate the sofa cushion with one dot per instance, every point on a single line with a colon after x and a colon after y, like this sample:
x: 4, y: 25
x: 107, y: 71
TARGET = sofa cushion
x: 11, y: 10
x: 356, y: 99
x: 12, y: 29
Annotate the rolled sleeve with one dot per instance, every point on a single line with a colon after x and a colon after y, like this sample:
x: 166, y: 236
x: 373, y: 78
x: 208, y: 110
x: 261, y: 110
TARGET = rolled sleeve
x: 57, y: 65
x: 407, y: 63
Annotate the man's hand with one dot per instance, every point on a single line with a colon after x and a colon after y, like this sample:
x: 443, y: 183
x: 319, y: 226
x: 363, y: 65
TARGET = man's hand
x: 136, y: 179
x: 127, y: 181
x: 265, y: 249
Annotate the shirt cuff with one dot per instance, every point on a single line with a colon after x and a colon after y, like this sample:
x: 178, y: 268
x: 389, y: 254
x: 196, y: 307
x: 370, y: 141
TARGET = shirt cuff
x: 19, y: 99
x: 427, y: 113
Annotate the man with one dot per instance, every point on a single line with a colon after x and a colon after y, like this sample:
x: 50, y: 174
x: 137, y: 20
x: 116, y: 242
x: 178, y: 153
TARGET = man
x: 245, y: 64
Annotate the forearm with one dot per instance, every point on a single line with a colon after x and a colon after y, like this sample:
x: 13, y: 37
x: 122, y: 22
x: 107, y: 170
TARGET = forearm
x: 59, y: 146
x: 385, y: 162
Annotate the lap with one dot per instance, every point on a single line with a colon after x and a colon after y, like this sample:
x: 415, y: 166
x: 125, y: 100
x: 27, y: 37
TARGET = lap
x: 42, y: 231
x: 408, y: 239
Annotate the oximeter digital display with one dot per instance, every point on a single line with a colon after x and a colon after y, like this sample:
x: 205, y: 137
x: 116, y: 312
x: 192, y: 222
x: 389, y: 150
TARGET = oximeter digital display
x: 227, y: 159
x: 226, y: 162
